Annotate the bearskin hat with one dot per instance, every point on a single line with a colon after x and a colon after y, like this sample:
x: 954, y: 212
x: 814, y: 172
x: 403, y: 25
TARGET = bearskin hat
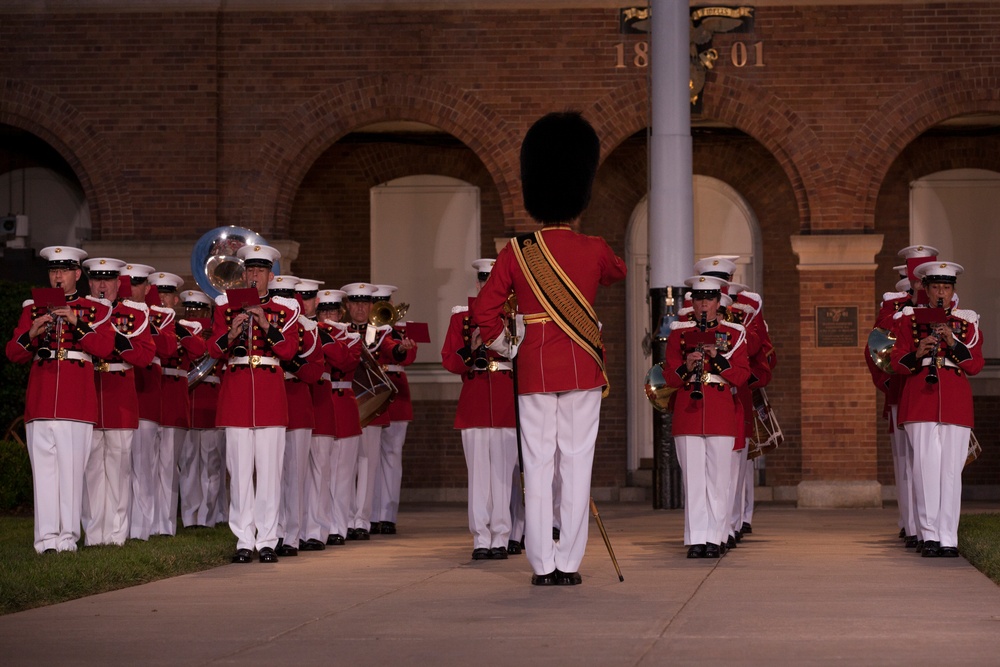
x: 559, y: 157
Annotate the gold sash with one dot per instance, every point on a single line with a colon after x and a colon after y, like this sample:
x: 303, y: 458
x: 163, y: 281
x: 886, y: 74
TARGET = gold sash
x: 560, y: 297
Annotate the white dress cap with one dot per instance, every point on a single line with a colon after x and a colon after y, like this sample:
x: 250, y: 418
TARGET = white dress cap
x: 165, y: 282
x: 359, y: 291
x: 717, y: 264
x: 707, y: 283
x: 331, y: 296
x: 308, y: 285
x: 258, y: 255
x: 914, y: 251
x: 194, y: 296
x: 138, y: 270
x: 60, y: 255
x: 947, y: 272
x: 483, y: 265
x: 384, y: 291
x: 283, y: 283
x: 901, y: 270
x: 103, y: 266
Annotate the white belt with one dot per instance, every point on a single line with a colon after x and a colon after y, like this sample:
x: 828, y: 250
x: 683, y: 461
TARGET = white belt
x: 325, y: 377
x: 175, y: 371
x: 253, y: 361
x: 62, y: 355
x: 709, y: 378
x: 290, y: 376
x: 394, y: 368
x: 945, y: 361
x: 341, y: 385
x: 210, y: 379
x: 156, y: 360
x: 493, y: 366
x: 119, y: 367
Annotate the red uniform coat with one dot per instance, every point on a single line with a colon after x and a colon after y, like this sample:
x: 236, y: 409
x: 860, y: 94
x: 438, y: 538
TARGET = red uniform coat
x: 948, y: 401
x: 336, y: 409
x: 548, y: 360
x: 175, y: 398
x: 304, y: 369
x: 487, y: 397
x: 117, y: 400
x: 63, y: 389
x: 204, y: 396
x: 149, y: 378
x: 717, y: 413
x: 253, y: 396
x: 401, y: 407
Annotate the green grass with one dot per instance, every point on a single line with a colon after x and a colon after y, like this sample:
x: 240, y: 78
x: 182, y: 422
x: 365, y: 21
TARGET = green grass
x: 28, y: 579
x: 979, y: 542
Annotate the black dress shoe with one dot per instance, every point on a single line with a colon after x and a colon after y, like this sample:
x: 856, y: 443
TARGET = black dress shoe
x: 911, y: 542
x: 361, y: 534
x: 498, y: 553
x: 932, y: 549
x: 283, y: 550
x: 555, y: 533
x: 514, y: 548
x: 544, y: 579
x: 375, y: 528
x: 711, y: 550
x: 568, y: 578
x: 480, y: 554
x: 335, y: 540
x: 386, y: 528
x: 731, y: 542
x: 352, y: 534
x: 243, y: 556
x: 723, y: 549
x: 50, y: 550
x: 311, y: 545
x: 267, y: 555
x: 920, y: 546
x: 696, y: 551
x: 948, y: 552
x: 745, y: 528
x: 739, y: 535
x: 902, y: 533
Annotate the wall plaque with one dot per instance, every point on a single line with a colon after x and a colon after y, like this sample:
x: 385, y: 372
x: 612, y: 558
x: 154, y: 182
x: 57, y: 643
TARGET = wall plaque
x: 836, y: 326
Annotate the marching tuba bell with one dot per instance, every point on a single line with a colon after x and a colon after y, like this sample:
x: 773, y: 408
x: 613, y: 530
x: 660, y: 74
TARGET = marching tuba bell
x: 880, y: 342
x: 657, y: 391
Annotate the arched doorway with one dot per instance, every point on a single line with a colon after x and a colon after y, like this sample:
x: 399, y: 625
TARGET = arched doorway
x: 724, y: 224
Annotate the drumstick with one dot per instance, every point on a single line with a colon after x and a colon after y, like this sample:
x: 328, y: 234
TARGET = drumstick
x: 607, y: 542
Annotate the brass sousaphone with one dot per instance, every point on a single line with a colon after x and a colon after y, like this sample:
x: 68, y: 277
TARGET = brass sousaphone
x: 880, y: 342
x: 216, y: 268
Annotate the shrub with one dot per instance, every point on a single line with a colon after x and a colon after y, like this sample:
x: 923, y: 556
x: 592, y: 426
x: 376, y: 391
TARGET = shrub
x: 13, y: 377
x: 15, y: 477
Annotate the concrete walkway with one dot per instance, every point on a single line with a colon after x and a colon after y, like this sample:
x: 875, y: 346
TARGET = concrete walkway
x: 808, y: 587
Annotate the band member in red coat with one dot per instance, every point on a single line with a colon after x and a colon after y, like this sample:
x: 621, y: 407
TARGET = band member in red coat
x: 252, y: 405
x: 207, y: 442
x: 485, y: 417
x: 385, y: 503
x: 337, y: 430
x: 706, y: 360
x: 108, y: 480
x: 386, y: 350
x: 60, y: 341
x: 936, y: 349
x: 146, y: 442
x: 554, y: 274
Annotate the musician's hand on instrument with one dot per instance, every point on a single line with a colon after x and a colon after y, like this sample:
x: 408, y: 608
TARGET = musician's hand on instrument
x: 945, y: 334
x: 712, y: 350
x: 236, y: 327
x: 407, y: 344
x: 926, y: 345
x: 258, y: 314
x: 475, y: 340
x: 66, y: 313
x: 38, y: 325
x: 693, y: 358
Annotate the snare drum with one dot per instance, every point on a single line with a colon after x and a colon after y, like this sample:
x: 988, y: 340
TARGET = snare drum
x: 766, y: 434
x: 372, y: 388
x: 974, y: 449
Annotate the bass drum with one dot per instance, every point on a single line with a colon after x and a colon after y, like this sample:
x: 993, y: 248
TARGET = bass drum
x: 766, y: 435
x: 373, y: 389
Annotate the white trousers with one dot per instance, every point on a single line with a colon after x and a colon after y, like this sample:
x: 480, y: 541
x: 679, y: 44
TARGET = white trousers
x: 902, y: 465
x: 368, y: 461
x: 189, y: 477
x: 210, y: 444
x: 58, y: 452
x: 294, y: 472
x: 343, y: 485
x: 738, y: 475
x: 705, y: 463
x: 516, y: 501
x: 385, y: 504
x: 107, y: 485
x: 253, y: 510
x: 566, y: 423
x: 319, y: 495
x: 490, y: 456
x: 167, y: 480
x: 939, y: 453
x: 144, y: 481
x: 748, y: 482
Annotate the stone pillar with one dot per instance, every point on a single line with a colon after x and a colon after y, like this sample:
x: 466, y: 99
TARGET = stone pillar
x: 837, y: 309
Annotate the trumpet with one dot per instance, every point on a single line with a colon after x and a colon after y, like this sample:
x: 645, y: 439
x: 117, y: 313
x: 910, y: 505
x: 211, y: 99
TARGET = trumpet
x: 699, y: 369
x: 932, y: 370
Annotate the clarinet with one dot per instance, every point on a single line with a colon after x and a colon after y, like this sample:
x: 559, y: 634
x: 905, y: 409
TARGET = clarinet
x: 696, y: 392
x: 241, y: 349
x: 932, y: 370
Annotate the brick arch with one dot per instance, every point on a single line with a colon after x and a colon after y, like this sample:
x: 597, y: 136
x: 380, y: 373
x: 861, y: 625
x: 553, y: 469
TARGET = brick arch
x: 286, y: 157
x: 63, y: 127
x: 903, y: 118
x: 744, y: 106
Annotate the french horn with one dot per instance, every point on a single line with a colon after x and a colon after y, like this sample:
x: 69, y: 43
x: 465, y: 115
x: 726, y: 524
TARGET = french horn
x: 216, y: 268
x: 383, y: 312
x: 880, y: 342
x: 658, y: 393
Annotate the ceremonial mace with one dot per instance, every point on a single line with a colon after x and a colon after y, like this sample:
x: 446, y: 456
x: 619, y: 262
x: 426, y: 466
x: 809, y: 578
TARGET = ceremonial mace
x: 607, y: 542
